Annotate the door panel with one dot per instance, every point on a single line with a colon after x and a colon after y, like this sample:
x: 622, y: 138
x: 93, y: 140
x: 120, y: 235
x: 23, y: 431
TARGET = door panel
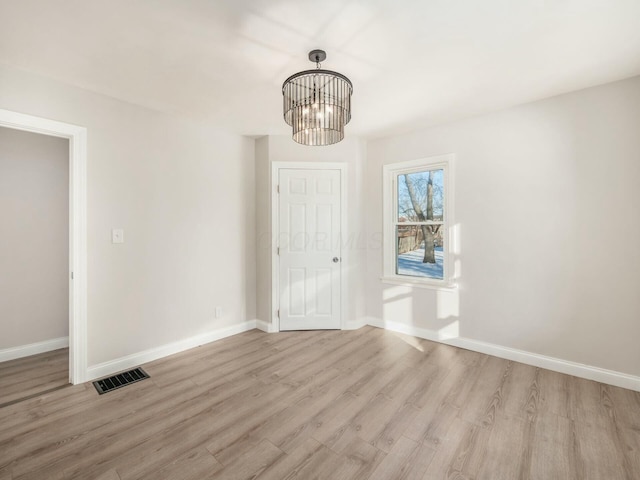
x: 309, y: 240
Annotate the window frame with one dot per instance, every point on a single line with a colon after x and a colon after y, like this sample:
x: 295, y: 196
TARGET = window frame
x: 390, y: 173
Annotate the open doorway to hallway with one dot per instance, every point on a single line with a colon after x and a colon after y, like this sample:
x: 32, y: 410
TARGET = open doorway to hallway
x: 34, y: 264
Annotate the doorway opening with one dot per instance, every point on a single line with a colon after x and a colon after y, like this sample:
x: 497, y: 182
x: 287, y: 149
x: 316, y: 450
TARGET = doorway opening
x: 34, y: 255
x: 77, y: 247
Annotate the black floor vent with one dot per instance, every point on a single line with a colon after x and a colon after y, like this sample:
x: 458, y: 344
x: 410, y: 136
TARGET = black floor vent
x: 120, y: 380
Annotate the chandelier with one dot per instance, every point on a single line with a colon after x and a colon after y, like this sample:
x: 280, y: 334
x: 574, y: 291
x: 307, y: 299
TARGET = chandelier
x: 317, y: 103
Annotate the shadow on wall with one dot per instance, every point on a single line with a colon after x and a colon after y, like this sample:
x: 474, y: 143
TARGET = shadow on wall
x: 428, y: 313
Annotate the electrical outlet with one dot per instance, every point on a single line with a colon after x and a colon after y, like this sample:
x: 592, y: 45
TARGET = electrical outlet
x: 117, y: 235
x: 218, y: 312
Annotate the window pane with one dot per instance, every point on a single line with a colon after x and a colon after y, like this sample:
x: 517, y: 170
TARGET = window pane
x: 419, y: 258
x: 421, y: 196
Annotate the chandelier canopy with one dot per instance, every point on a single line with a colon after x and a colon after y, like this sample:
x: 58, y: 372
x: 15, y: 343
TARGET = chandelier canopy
x: 317, y: 103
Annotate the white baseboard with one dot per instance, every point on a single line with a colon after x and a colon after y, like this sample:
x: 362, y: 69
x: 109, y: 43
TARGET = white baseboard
x: 269, y: 328
x: 265, y: 326
x: 597, y: 374
x: 136, y: 359
x: 356, y: 324
x: 13, y: 353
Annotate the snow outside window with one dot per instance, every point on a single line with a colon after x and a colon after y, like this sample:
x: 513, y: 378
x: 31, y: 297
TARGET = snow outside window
x: 418, y: 210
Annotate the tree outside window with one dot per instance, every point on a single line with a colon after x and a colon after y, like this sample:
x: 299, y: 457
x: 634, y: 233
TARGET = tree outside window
x: 416, y: 221
x: 420, y: 224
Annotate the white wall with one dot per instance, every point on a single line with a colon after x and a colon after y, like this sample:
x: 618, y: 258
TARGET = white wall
x: 350, y: 151
x: 34, y: 244
x: 547, y: 198
x: 263, y: 230
x: 184, y: 195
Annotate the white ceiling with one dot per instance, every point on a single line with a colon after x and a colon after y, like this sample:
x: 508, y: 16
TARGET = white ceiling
x: 412, y: 62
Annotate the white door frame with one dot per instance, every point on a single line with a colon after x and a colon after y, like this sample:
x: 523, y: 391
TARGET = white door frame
x: 275, y: 228
x: 77, y: 228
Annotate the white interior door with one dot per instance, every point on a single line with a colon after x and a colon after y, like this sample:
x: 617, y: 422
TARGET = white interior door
x: 309, y: 249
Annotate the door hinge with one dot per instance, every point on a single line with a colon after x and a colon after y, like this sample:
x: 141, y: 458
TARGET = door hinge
x: 278, y: 313
x: 71, y: 275
x: 278, y: 251
x: 278, y: 188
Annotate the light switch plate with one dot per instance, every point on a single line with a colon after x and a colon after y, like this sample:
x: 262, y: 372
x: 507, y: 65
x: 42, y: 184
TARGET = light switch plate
x: 117, y: 235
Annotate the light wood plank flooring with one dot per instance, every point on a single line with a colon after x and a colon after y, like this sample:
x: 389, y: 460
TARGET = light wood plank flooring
x: 29, y: 376
x: 365, y: 404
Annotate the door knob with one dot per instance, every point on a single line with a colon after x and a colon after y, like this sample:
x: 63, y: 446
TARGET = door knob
x: 336, y: 259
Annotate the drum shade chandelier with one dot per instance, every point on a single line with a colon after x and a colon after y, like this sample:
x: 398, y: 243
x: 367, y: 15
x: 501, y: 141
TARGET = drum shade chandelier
x: 317, y: 103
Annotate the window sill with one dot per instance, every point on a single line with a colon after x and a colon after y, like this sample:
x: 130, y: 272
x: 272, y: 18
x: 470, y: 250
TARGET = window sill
x: 407, y: 282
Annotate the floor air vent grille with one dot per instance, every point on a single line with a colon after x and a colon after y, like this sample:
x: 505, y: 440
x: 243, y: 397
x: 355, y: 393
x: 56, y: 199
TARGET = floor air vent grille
x: 120, y: 380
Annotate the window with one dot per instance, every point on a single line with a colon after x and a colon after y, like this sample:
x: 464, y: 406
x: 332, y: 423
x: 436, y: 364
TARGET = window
x: 418, y: 211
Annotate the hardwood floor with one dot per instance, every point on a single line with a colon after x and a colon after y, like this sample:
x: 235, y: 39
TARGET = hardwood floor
x: 25, y: 377
x: 365, y: 404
